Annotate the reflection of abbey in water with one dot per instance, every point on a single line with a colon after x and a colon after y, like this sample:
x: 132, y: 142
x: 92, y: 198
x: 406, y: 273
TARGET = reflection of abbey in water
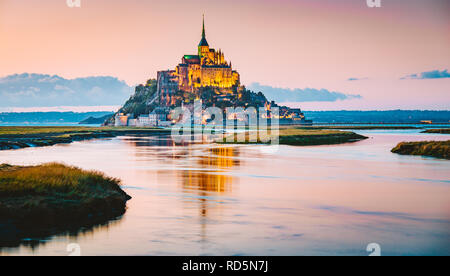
x: 214, y: 177
x: 211, y: 166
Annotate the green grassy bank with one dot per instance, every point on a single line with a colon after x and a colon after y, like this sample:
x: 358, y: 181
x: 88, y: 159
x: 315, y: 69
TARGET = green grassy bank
x: 439, y: 149
x: 303, y: 137
x: 38, y: 201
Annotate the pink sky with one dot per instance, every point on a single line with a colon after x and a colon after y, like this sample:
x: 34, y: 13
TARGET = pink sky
x: 282, y: 43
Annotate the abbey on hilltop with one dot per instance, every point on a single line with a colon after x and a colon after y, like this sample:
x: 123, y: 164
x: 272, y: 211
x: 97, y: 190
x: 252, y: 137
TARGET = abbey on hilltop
x: 208, y: 68
x: 205, y: 77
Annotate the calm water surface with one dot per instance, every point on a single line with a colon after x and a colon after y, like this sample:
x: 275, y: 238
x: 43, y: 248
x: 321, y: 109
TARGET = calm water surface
x: 253, y: 200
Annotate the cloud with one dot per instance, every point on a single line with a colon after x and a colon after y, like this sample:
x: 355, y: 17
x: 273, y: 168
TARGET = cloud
x: 300, y: 95
x: 435, y: 74
x: 356, y: 79
x: 38, y: 90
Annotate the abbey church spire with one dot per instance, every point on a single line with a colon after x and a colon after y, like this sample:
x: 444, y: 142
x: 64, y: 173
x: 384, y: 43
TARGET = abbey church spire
x: 203, y: 42
x: 203, y: 32
x: 208, y: 68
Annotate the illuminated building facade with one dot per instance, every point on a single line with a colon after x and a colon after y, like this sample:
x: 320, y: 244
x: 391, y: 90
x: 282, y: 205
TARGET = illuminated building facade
x: 208, y: 68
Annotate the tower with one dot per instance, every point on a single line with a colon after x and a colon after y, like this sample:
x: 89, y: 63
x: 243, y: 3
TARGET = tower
x: 203, y: 47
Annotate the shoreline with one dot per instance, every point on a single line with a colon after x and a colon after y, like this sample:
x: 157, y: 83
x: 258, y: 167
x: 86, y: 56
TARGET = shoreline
x: 25, y: 137
x: 18, y: 137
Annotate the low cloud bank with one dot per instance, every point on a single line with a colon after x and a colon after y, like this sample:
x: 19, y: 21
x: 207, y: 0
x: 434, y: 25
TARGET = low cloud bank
x: 300, y: 95
x: 38, y: 90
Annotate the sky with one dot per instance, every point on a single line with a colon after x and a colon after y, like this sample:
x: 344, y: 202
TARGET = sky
x: 393, y: 57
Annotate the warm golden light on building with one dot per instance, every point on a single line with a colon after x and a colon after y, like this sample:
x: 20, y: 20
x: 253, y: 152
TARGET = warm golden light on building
x: 208, y: 68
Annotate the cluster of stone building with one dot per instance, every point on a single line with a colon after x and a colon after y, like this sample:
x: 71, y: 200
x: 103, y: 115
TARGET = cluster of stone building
x: 157, y: 118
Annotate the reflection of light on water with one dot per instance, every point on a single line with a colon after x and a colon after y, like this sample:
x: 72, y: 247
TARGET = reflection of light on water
x: 70, y: 235
x: 220, y: 157
x: 199, y: 181
x: 210, y: 180
x: 202, y: 170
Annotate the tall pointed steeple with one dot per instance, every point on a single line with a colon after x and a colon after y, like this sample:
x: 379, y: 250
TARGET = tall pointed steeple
x: 203, y: 32
x: 203, y: 42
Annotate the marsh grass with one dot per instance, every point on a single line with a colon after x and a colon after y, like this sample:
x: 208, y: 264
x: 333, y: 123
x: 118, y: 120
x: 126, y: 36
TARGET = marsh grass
x: 26, y: 130
x: 54, y: 179
x: 58, y: 131
x: 39, y: 201
x: 438, y: 149
x: 301, y: 137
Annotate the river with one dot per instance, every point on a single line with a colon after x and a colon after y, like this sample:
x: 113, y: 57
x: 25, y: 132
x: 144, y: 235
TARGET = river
x: 203, y: 199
